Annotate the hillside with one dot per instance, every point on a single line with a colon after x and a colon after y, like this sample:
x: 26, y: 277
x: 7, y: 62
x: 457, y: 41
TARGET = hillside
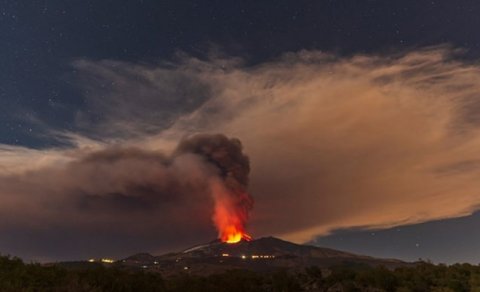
x: 261, y: 255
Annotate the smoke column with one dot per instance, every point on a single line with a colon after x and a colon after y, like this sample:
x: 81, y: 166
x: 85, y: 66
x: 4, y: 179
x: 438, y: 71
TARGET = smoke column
x: 232, y: 201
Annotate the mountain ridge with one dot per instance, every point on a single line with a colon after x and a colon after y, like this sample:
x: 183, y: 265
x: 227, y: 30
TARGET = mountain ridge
x: 260, y: 255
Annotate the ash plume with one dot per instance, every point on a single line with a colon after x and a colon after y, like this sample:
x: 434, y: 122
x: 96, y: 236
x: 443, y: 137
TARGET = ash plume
x: 232, y: 202
x: 133, y: 191
x: 364, y: 141
x: 226, y: 154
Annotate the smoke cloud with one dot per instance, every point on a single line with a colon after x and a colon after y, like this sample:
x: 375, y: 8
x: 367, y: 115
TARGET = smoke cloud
x: 232, y: 202
x: 368, y: 141
x: 133, y: 191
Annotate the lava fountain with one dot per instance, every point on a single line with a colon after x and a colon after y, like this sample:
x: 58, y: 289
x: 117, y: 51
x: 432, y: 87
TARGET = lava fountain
x: 228, y: 186
x: 230, y: 213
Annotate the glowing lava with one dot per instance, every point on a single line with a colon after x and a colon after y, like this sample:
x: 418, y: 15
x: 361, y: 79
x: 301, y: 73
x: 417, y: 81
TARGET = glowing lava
x: 230, y: 214
x: 233, y: 235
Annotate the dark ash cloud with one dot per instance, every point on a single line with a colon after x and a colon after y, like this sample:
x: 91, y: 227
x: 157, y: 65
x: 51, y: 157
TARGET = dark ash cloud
x: 126, y: 192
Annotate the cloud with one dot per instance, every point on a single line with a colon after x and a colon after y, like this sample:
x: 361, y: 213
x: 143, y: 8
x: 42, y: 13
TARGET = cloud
x: 334, y: 142
x: 129, y: 191
x: 117, y: 191
x: 131, y: 99
x: 359, y: 141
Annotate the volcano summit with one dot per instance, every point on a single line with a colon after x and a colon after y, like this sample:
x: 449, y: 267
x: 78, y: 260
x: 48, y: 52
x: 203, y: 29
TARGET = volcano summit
x: 260, y: 255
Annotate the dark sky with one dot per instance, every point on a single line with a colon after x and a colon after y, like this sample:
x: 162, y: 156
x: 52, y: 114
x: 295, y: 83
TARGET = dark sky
x: 40, y: 39
x: 64, y: 66
x: 443, y: 241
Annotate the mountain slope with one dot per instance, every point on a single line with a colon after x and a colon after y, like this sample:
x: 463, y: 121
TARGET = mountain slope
x: 263, y: 254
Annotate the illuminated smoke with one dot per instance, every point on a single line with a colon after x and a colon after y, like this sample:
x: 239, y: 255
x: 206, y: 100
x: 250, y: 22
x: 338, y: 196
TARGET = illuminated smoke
x: 232, y: 202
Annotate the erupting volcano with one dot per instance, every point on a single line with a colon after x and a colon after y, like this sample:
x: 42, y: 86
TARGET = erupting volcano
x: 232, y: 202
x: 230, y: 214
x: 233, y: 235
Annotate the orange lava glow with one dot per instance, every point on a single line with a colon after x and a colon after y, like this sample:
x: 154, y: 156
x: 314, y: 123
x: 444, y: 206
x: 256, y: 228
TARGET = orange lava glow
x: 233, y: 235
x: 229, y: 215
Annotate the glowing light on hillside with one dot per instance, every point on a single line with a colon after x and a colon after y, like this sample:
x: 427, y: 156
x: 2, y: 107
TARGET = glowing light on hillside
x: 107, y: 261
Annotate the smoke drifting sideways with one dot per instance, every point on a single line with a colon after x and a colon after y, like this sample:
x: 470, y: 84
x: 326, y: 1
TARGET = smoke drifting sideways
x: 141, y: 196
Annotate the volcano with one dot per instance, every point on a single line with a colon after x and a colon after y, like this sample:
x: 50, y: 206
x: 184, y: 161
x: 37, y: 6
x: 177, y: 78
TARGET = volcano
x: 260, y: 255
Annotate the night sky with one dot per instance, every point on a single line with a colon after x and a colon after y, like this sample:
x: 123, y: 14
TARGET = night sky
x: 360, y: 118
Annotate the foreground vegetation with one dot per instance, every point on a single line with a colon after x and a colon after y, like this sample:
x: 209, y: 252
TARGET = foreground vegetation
x: 18, y: 276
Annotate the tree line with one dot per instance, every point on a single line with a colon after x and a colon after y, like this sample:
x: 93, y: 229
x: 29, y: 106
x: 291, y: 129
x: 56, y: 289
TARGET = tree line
x: 15, y: 275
